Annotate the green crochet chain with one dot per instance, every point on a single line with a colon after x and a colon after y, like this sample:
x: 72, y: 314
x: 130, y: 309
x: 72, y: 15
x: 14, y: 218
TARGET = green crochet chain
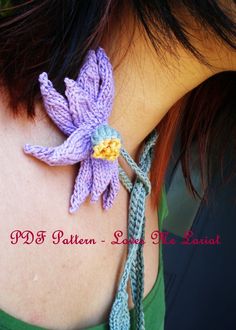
x: 134, y: 267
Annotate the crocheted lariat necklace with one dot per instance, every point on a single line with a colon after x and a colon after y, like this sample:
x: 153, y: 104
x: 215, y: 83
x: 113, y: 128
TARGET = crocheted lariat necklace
x: 134, y: 266
x: 92, y: 142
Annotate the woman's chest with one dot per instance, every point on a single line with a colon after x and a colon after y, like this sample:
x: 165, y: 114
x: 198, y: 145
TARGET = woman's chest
x: 60, y: 270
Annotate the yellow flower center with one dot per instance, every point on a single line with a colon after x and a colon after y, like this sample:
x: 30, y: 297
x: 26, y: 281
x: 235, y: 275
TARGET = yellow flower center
x: 108, y: 149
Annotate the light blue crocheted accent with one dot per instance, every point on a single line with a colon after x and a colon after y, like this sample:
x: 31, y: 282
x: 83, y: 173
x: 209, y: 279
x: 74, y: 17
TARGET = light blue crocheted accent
x: 119, y: 318
x: 102, y: 133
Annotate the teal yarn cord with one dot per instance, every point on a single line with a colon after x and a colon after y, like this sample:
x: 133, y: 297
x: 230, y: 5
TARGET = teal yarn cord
x: 119, y: 318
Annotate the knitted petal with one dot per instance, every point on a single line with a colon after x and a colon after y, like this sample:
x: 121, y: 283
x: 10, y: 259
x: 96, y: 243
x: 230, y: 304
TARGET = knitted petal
x: 83, y: 184
x: 112, y: 190
x: 85, y: 110
x: 56, y: 105
x: 81, y: 104
x: 102, y: 173
x: 88, y: 78
x: 106, y: 92
x: 74, y: 149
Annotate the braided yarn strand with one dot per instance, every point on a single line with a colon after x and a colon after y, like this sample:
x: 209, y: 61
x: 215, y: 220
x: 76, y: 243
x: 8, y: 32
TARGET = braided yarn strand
x: 137, y: 271
x: 134, y: 267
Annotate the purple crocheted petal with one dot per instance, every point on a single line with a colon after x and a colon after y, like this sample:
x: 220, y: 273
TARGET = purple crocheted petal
x: 83, y: 184
x: 56, y: 105
x: 88, y: 78
x: 80, y: 103
x: 74, y: 149
x: 102, y: 174
x: 106, y: 92
x: 111, y: 192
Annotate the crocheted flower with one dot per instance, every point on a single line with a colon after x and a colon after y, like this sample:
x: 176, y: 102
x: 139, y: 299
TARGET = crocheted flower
x: 83, y: 117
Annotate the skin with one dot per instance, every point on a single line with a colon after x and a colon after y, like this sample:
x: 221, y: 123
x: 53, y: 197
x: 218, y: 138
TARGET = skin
x: 44, y: 285
x: 145, y: 83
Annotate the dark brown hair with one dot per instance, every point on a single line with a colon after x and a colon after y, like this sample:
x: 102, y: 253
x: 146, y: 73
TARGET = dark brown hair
x: 54, y: 36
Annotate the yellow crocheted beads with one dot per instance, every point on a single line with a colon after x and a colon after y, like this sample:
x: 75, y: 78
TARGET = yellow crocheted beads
x: 108, y: 149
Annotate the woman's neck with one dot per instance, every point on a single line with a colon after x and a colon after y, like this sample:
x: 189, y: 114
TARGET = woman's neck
x: 148, y: 85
